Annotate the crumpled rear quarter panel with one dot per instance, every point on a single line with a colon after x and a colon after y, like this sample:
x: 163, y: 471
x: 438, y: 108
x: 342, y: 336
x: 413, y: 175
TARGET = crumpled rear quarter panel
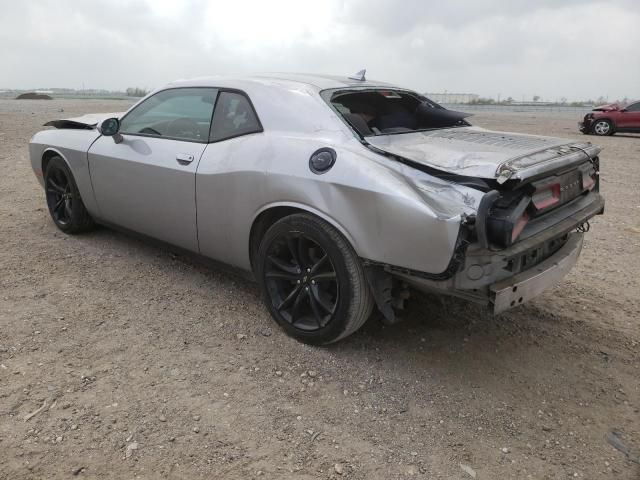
x: 376, y: 208
x: 386, y: 220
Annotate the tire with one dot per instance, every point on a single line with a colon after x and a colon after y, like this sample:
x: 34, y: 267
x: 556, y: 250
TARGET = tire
x: 63, y: 199
x: 312, y: 281
x: 602, y: 128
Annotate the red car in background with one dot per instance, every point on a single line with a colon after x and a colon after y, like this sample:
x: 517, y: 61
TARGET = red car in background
x: 612, y: 118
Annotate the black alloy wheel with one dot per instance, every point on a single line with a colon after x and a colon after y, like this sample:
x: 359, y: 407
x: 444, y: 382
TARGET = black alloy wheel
x: 301, y: 281
x: 312, y: 281
x: 63, y: 198
x: 59, y: 196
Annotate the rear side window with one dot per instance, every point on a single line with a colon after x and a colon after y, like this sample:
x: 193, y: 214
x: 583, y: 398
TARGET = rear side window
x: 233, y: 116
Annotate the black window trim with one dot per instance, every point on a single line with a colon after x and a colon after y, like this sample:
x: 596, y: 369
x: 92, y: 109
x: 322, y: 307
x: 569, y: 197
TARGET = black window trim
x: 208, y: 140
x: 151, y: 135
x: 244, y: 94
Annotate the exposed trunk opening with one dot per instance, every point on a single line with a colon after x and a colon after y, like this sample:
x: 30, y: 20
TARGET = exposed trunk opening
x: 386, y: 112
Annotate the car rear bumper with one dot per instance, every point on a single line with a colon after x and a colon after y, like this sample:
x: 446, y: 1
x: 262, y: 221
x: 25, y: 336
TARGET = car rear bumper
x: 530, y: 283
x: 489, y: 277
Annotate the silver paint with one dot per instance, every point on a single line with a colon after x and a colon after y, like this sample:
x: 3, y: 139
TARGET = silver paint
x: 531, y: 283
x: 476, y: 152
x: 389, y: 212
x: 139, y: 184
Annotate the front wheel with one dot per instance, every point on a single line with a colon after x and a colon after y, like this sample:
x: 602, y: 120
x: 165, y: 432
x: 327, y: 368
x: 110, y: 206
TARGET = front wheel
x: 602, y: 128
x: 312, y: 281
x: 63, y: 198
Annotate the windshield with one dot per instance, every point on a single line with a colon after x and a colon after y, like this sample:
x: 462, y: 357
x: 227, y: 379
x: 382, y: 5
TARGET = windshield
x: 374, y: 112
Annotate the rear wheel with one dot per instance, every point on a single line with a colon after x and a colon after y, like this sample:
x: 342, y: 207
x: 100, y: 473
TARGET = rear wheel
x: 312, y: 281
x: 602, y: 128
x: 63, y: 198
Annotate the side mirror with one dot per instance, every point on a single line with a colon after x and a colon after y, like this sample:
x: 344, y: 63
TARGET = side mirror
x: 110, y: 128
x: 624, y: 110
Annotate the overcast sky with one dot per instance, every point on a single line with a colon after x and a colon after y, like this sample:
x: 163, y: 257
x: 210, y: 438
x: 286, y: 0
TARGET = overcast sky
x: 576, y: 49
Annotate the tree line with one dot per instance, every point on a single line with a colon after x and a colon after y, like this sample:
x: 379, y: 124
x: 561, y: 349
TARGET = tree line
x: 136, y: 92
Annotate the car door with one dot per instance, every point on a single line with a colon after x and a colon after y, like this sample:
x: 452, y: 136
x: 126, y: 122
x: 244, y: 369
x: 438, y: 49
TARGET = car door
x: 230, y: 181
x: 629, y: 119
x: 146, y: 182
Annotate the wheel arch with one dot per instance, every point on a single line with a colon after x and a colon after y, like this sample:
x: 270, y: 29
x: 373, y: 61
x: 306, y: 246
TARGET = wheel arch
x: 48, y: 154
x: 270, y: 214
x: 79, y: 170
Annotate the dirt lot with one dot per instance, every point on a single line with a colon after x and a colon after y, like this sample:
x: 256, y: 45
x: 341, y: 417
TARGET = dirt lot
x: 150, y: 365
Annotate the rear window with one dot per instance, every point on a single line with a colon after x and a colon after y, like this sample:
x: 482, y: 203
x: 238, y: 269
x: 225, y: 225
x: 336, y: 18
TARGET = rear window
x: 385, y: 112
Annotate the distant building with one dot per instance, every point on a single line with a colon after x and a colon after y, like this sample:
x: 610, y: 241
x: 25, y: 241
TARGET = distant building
x: 452, y: 97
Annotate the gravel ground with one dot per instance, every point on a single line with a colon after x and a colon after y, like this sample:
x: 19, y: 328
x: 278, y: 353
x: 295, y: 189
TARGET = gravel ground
x: 136, y: 362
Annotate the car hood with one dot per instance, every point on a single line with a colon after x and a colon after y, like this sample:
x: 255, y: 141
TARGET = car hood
x: 88, y: 121
x: 476, y: 152
x: 607, y: 108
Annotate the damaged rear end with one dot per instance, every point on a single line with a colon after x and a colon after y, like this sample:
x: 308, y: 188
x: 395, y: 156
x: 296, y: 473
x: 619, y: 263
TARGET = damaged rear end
x: 524, y: 237
x: 528, y: 232
x: 532, y: 198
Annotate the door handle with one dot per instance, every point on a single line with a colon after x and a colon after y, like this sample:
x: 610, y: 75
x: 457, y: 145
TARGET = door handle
x: 184, y: 158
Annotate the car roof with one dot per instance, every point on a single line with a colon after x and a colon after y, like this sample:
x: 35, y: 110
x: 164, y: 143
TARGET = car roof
x: 288, y: 101
x: 287, y: 80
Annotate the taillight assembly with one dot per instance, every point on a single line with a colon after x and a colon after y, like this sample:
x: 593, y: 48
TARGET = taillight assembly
x: 508, y: 213
x: 519, y: 226
x: 505, y: 226
x: 546, y: 196
x: 562, y: 188
x: 588, y: 180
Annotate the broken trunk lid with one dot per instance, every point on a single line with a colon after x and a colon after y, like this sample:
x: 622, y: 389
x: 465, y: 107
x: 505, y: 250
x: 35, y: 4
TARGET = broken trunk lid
x: 87, y: 122
x: 532, y: 164
x: 475, y: 152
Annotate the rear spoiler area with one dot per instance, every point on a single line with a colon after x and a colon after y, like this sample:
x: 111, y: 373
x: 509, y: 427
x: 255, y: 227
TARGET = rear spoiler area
x: 85, y: 122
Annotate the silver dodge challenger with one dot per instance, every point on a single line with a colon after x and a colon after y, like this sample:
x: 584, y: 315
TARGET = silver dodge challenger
x: 337, y: 194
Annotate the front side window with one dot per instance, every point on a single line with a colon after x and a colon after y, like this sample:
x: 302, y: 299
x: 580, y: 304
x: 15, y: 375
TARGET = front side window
x: 634, y: 107
x: 234, y: 116
x: 179, y: 113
